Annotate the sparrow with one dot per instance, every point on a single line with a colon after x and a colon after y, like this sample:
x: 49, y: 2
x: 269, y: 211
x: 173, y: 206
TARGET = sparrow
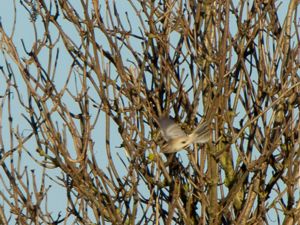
x: 177, y: 139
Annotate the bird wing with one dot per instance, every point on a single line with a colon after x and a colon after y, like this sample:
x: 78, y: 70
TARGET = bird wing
x: 169, y: 129
x: 202, y: 133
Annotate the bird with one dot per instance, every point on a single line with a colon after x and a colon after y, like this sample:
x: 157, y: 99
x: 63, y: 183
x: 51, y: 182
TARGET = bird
x: 177, y: 139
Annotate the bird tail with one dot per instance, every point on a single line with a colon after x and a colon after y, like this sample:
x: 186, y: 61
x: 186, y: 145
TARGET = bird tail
x: 202, y: 133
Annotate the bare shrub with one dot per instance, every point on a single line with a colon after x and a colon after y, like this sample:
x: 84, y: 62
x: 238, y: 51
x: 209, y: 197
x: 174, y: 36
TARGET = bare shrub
x: 80, y: 104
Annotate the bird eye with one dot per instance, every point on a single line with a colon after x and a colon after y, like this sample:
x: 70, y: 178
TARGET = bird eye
x: 183, y: 142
